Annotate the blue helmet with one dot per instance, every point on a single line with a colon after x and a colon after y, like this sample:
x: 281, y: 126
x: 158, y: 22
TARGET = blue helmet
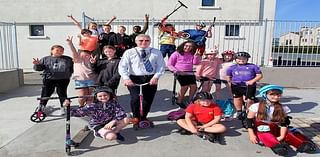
x: 263, y: 91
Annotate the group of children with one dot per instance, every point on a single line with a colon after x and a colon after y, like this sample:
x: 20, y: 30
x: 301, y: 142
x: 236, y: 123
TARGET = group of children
x: 267, y: 120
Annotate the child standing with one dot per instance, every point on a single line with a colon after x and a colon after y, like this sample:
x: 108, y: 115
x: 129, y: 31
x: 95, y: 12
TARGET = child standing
x: 203, y: 116
x: 107, y: 116
x: 83, y: 75
x: 242, y: 78
x: 57, y: 70
x: 268, y: 123
x: 167, y: 38
x: 227, y: 61
x: 87, y: 41
x: 208, y: 68
x: 181, y: 64
x: 107, y: 68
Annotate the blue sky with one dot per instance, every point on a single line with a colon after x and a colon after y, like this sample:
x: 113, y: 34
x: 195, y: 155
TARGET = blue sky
x: 298, y: 10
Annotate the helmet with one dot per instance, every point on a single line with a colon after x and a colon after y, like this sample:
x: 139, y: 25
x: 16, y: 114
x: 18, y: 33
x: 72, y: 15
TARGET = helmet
x: 211, y: 51
x: 203, y: 95
x: 201, y: 24
x: 228, y: 52
x: 103, y: 89
x: 263, y: 91
x: 242, y: 54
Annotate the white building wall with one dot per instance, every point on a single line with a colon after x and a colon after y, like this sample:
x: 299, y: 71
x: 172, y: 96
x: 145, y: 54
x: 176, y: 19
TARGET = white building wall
x: 293, y: 37
x: 53, y: 15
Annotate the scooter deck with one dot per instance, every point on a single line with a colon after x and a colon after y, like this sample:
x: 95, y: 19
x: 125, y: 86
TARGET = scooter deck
x: 80, y: 136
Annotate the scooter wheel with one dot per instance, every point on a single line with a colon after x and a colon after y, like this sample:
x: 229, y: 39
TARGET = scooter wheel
x: 144, y: 124
x: 38, y: 116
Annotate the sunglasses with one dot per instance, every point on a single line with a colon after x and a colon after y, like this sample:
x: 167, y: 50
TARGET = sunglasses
x: 143, y: 40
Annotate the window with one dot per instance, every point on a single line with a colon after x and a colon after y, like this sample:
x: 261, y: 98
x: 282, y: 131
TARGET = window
x: 36, y: 30
x: 208, y: 3
x: 232, y: 30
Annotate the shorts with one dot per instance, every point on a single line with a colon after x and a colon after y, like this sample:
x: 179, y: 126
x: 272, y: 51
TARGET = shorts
x: 167, y: 49
x: 186, y: 80
x: 240, y: 91
x: 79, y: 84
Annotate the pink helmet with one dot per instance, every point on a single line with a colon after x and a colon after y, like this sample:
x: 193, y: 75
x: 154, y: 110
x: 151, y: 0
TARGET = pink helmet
x: 228, y: 52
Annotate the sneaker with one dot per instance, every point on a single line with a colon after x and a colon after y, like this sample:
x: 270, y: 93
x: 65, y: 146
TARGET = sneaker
x: 62, y: 111
x: 183, y: 131
x: 182, y: 105
x: 134, y: 121
x: 96, y: 134
x: 120, y: 137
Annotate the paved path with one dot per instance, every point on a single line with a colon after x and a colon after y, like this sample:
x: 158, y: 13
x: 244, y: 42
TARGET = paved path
x: 19, y: 137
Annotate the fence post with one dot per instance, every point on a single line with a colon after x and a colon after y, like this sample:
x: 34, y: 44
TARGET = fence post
x: 15, y: 43
x: 264, y: 37
x: 83, y: 20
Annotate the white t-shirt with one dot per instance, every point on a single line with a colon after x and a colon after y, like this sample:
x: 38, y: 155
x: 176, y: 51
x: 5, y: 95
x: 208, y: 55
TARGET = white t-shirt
x: 254, y: 108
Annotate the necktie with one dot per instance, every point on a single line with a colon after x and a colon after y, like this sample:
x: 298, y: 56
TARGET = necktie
x: 146, y: 62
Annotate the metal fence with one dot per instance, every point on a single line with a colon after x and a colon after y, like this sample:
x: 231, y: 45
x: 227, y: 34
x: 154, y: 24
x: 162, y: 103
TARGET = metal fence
x: 8, y: 46
x: 263, y: 39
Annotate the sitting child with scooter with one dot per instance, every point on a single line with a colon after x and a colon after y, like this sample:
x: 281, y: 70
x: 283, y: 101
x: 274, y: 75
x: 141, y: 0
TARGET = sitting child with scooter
x: 203, y: 119
x: 268, y: 124
x: 107, y: 116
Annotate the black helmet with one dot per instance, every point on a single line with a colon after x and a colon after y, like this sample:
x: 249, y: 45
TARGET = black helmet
x: 103, y: 89
x: 242, y: 54
x: 203, y: 95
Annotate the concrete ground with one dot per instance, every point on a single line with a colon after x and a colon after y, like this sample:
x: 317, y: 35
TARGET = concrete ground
x: 19, y: 137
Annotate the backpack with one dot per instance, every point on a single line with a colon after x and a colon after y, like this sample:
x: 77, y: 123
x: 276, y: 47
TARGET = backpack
x: 226, y: 106
x: 175, y: 115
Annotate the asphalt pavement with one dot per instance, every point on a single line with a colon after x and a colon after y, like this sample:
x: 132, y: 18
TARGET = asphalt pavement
x: 19, y: 137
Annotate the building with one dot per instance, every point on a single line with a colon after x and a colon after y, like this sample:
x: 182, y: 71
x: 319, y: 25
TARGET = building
x: 42, y: 23
x: 290, y: 39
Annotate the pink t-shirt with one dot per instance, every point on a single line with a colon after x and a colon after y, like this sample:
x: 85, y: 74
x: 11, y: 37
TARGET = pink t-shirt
x: 81, y: 66
x: 185, y: 62
x: 208, y: 68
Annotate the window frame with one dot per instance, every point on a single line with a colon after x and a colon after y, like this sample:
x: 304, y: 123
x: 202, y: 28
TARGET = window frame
x: 34, y: 28
x: 232, y: 32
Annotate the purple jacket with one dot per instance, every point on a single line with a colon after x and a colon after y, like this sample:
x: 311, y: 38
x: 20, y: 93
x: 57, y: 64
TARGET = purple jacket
x: 100, y: 113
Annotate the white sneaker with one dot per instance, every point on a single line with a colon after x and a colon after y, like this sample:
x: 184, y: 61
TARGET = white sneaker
x: 62, y: 111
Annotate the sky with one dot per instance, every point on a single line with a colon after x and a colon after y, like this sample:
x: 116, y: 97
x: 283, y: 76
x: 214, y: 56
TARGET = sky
x: 298, y: 10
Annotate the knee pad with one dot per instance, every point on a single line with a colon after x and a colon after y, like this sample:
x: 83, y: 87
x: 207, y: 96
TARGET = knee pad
x: 280, y: 149
x: 307, y: 147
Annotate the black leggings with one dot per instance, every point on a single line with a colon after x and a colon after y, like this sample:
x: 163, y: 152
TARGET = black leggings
x: 49, y: 86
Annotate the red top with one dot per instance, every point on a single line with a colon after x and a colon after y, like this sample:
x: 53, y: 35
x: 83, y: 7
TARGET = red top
x: 204, y: 114
x: 89, y: 43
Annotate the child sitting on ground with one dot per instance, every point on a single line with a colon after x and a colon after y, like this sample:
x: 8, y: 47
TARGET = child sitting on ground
x: 203, y: 118
x: 268, y: 124
x: 107, y: 116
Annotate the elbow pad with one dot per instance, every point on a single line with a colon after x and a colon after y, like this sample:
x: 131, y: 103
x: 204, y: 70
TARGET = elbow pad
x: 250, y: 122
x: 286, y: 122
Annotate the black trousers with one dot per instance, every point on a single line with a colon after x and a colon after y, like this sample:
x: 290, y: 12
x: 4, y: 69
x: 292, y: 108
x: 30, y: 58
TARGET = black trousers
x: 148, y: 92
x: 49, y: 86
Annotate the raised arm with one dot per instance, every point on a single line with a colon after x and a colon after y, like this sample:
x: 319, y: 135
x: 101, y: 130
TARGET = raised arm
x: 111, y: 20
x: 146, y: 24
x: 75, y: 21
x: 75, y: 54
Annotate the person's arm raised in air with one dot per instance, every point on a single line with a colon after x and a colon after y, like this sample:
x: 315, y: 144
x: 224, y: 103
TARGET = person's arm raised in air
x: 75, y: 21
x: 75, y: 55
x: 146, y: 24
x: 111, y: 20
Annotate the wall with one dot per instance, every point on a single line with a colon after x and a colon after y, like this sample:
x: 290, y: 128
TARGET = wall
x: 11, y: 79
x: 301, y: 77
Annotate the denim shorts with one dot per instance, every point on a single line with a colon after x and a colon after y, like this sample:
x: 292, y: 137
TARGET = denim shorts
x: 79, y: 84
